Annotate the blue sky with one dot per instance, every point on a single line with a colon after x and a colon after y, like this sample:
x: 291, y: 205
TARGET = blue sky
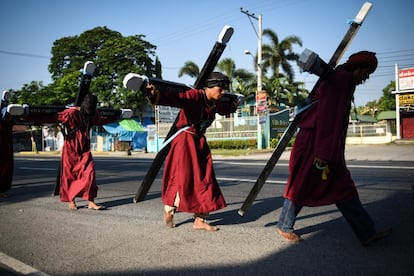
x: 187, y: 29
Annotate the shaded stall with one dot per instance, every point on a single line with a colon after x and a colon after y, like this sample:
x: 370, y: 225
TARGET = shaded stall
x: 129, y: 132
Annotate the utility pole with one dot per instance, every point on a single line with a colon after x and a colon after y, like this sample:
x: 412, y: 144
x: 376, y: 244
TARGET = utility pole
x: 259, y: 71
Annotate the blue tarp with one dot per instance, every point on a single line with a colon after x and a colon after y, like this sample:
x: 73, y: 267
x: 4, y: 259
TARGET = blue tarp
x: 116, y: 128
x: 138, y: 138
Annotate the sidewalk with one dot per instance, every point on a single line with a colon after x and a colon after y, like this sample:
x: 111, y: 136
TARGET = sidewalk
x: 388, y: 152
x: 382, y: 152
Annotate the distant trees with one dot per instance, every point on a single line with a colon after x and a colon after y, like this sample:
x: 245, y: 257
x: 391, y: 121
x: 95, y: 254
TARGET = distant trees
x: 114, y: 56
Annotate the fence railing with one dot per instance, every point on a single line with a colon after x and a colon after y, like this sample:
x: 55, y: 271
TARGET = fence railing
x: 246, y: 128
x: 361, y: 130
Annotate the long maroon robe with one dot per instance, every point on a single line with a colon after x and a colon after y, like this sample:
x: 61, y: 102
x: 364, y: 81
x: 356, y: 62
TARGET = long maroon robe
x: 77, y: 176
x: 188, y: 168
x: 6, y: 155
x: 322, y: 134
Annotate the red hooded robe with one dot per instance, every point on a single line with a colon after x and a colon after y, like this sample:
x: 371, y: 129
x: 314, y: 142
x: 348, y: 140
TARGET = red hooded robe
x: 77, y: 176
x: 188, y: 168
x: 322, y: 134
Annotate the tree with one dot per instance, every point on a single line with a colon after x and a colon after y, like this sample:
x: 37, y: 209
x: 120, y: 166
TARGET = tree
x: 227, y: 66
x: 279, y: 53
x: 240, y: 79
x: 190, y: 69
x: 384, y: 103
x: 70, y: 53
x: 29, y: 93
x: 281, y: 90
x: 114, y: 57
x: 387, y: 101
x: 244, y: 82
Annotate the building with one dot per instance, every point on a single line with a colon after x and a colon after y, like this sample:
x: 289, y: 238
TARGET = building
x: 404, y: 99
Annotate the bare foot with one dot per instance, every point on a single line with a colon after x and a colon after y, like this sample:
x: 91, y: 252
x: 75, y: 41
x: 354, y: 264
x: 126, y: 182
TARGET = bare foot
x: 169, y: 219
x: 92, y: 205
x: 201, y: 224
x: 72, y: 205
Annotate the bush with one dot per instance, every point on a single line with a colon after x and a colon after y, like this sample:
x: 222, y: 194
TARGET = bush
x: 274, y: 141
x: 232, y: 144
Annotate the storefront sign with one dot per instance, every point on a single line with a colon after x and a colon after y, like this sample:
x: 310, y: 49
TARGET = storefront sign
x: 406, y: 78
x: 261, y: 101
x: 406, y: 99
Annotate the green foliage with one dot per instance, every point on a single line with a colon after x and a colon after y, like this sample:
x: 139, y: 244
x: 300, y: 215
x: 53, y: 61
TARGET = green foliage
x: 387, y: 101
x: 279, y: 54
x: 283, y: 91
x: 233, y: 144
x: 190, y: 69
x: 28, y: 94
x: 114, y: 57
x: 274, y: 141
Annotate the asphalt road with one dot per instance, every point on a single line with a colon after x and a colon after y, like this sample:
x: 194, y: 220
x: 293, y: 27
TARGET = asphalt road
x: 40, y: 235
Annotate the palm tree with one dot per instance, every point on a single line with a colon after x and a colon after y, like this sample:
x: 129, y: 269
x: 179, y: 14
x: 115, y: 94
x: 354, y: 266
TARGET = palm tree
x: 190, y: 69
x: 283, y: 90
x: 244, y: 82
x: 227, y: 67
x: 279, y: 54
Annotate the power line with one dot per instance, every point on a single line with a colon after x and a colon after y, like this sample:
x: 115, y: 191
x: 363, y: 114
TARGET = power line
x: 23, y: 54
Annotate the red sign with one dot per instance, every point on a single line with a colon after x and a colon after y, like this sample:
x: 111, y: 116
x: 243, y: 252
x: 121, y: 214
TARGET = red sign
x: 261, y: 102
x: 406, y: 78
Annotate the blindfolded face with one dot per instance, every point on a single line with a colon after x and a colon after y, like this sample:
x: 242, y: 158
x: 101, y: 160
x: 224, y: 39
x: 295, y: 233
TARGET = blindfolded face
x: 222, y: 84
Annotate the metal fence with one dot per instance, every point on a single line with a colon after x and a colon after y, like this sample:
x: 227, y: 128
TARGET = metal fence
x: 367, y: 130
x: 241, y: 128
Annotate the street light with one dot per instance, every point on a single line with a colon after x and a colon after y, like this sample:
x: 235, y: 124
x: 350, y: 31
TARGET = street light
x: 259, y: 86
x: 259, y: 73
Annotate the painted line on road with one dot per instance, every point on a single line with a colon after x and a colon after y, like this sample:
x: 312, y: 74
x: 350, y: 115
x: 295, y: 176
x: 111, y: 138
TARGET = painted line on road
x: 381, y: 167
x: 349, y: 166
x: 37, y: 168
x: 249, y: 180
x: 19, y: 266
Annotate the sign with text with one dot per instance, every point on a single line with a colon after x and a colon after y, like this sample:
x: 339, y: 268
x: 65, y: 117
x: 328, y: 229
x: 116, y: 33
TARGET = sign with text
x: 406, y: 99
x: 261, y: 102
x: 406, y: 78
x: 167, y: 114
x: 279, y: 121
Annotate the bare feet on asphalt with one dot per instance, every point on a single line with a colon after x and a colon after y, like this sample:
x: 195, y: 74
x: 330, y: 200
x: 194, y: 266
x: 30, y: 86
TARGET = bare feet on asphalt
x: 92, y: 205
x: 72, y: 205
x: 201, y: 224
x: 169, y: 219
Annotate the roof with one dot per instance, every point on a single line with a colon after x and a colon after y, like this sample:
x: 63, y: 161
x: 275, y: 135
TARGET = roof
x: 387, y: 115
x: 364, y: 118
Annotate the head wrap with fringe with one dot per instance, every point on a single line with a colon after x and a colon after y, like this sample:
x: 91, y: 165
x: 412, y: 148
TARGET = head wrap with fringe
x: 363, y: 59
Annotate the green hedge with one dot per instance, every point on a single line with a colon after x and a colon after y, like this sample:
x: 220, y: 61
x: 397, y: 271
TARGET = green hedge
x: 274, y: 141
x: 232, y: 144
x: 243, y: 144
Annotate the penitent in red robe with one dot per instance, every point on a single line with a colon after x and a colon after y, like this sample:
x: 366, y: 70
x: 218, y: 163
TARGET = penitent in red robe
x: 6, y: 155
x: 188, y: 168
x: 77, y: 176
x: 322, y: 134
